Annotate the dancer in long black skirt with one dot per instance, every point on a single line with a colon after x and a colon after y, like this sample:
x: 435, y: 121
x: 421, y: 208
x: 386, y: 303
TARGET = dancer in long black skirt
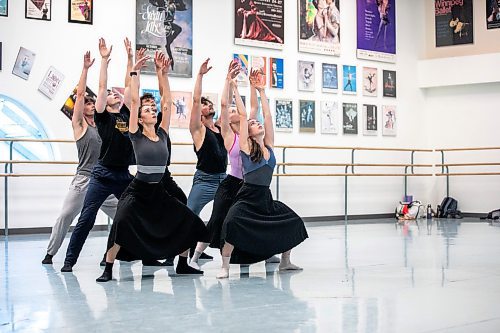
x: 149, y: 222
x: 256, y: 226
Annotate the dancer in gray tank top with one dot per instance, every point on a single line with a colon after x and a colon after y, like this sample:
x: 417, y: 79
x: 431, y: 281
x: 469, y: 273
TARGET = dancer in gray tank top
x: 88, y: 144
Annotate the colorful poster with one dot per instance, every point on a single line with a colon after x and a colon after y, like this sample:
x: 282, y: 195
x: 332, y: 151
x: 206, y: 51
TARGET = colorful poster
x: 156, y: 95
x: 259, y: 23
x: 276, y: 70
x: 242, y: 77
x: 307, y: 116
x: 284, y: 115
x: 349, y: 80
x: 389, y: 79
x: 370, y: 81
x: 493, y: 14
x: 306, y: 75
x: 69, y: 104
x: 454, y: 22
x: 330, y: 78
x: 329, y: 120
x: 370, y: 119
x: 350, y: 118
x: 24, y: 63
x: 319, y: 26
x: 260, y: 63
x: 38, y: 9
x: 51, y: 82
x: 166, y: 26
x: 4, y: 7
x: 181, y: 110
x: 81, y: 11
x: 389, y: 120
x: 376, y: 20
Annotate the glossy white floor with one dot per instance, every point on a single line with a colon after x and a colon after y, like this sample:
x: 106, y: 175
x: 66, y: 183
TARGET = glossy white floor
x: 437, y: 277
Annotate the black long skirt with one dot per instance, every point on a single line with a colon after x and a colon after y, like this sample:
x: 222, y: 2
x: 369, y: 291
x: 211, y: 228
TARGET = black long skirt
x: 224, y: 198
x: 172, y: 188
x: 152, y: 224
x: 260, y: 227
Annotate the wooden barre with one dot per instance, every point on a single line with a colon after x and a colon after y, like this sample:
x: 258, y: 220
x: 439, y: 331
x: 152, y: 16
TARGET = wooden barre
x: 469, y: 174
x: 467, y: 164
x: 18, y: 175
x: 465, y: 149
x: 355, y: 164
x: 354, y: 148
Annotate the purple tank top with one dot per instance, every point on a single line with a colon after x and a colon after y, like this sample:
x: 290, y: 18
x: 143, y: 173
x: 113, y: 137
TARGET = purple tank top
x: 235, y: 158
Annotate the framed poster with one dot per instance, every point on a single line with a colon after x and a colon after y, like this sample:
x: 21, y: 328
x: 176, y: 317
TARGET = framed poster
x: 493, y: 14
x: 4, y: 7
x: 181, y: 110
x: 370, y: 119
x: 370, y: 81
x: 350, y: 118
x: 453, y: 22
x: 349, y: 80
x: 51, y: 82
x: 389, y: 127
x: 284, y: 115
x: 389, y: 79
x: 242, y: 77
x: 319, y: 26
x: 259, y: 23
x: 80, y: 11
x: 24, y: 63
x: 306, y: 75
x: 376, y: 30
x: 307, y: 111
x: 69, y: 104
x: 329, y: 114
x: 276, y: 69
x: 259, y: 62
x: 330, y: 78
x: 38, y: 9
x: 166, y: 26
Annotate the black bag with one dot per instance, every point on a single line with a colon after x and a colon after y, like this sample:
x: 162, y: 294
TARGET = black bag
x: 493, y: 215
x: 449, y: 208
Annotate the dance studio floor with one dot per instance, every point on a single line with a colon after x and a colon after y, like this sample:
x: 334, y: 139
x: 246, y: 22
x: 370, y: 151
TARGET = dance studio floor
x: 438, y: 277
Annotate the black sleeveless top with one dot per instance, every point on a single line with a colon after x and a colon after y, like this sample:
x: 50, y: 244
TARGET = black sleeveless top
x: 212, y: 155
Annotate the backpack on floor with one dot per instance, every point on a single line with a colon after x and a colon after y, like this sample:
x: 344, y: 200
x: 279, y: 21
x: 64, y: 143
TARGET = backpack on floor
x: 493, y: 215
x: 410, y: 210
x: 448, y: 207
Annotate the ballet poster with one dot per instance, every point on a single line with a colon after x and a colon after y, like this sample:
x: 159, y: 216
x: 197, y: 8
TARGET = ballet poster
x: 349, y: 80
x: 329, y: 120
x: 163, y: 25
x: 51, y: 82
x: 370, y: 81
x: 181, y: 109
x: 276, y: 70
x: 24, y: 62
x: 81, y: 11
x: 69, y: 104
x: 350, y: 118
x: 38, y: 9
x: 493, y: 14
x: 370, y: 119
x: 242, y: 77
x: 319, y: 26
x: 376, y: 31
x: 307, y: 116
x: 284, y: 115
x: 389, y: 127
x: 259, y: 23
x: 330, y: 78
x: 260, y: 63
x: 454, y: 22
x: 4, y: 7
x: 306, y: 75
x: 389, y: 79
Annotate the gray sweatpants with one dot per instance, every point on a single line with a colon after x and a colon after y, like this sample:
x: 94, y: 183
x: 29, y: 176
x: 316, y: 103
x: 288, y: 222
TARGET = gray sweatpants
x: 72, y: 206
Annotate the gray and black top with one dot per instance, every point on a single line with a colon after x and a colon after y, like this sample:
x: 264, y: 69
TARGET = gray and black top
x: 151, y: 156
x: 88, y: 146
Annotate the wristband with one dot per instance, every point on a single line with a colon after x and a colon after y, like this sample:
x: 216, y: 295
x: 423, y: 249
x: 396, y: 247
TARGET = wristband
x: 132, y: 73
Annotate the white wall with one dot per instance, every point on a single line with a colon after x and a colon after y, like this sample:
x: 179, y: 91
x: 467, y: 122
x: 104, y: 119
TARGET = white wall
x: 36, y: 202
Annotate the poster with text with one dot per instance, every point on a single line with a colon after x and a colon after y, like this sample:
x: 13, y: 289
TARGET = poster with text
x: 69, y: 104
x: 349, y: 80
x: 181, y: 109
x: 329, y: 114
x: 166, y: 26
x: 38, y: 9
x: 24, y: 62
x: 370, y: 119
x: 276, y: 69
x: 319, y: 26
x: 81, y: 11
x: 307, y: 115
x: 51, y: 82
x: 284, y: 115
x: 156, y: 95
x: 493, y: 14
x: 389, y: 79
x: 259, y: 23
x: 389, y: 127
x: 330, y: 78
x: 306, y: 75
x: 376, y: 30
x: 259, y: 62
x: 453, y: 22
x: 350, y: 118
x: 370, y: 81
x: 242, y: 77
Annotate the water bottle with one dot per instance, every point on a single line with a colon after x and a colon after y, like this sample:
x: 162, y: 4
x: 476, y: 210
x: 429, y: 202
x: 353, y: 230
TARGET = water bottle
x: 429, y: 212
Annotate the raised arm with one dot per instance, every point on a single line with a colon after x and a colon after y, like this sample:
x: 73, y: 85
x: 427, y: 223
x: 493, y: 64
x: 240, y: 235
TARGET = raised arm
x: 133, y: 125
x: 254, y: 102
x: 195, y: 124
x: 158, y: 60
x: 243, y: 123
x: 166, y: 96
x: 130, y: 64
x: 227, y: 93
x: 102, y: 94
x: 266, y: 111
x: 77, y: 121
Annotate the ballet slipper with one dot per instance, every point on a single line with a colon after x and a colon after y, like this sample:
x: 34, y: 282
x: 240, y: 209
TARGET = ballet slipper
x: 224, y: 272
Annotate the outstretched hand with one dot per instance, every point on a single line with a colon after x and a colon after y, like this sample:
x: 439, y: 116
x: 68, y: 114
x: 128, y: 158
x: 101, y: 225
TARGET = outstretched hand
x: 87, y: 62
x: 141, y: 63
x: 158, y: 60
x: 140, y: 53
x: 256, y: 79
x: 233, y: 70
x: 204, y: 68
x: 103, y: 49
x: 167, y: 63
x: 128, y: 48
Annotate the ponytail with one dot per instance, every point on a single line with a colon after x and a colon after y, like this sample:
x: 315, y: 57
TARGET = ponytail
x: 256, y: 154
